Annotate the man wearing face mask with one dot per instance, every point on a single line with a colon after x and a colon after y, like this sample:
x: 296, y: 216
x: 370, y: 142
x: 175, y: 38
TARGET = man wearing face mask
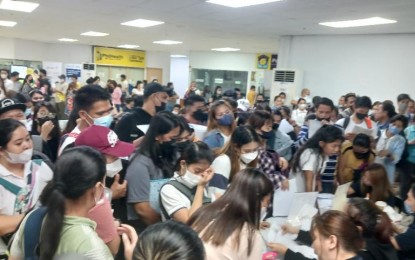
x: 359, y: 120
x: 324, y: 109
x: 94, y: 107
x: 195, y: 110
x: 155, y: 100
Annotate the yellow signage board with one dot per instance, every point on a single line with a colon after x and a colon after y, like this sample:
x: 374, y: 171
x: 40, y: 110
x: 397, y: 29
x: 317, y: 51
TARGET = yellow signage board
x: 119, y: 57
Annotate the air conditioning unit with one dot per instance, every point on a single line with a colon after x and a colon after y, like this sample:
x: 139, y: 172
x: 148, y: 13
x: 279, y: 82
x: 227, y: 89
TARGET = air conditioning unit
x: 289, y: 81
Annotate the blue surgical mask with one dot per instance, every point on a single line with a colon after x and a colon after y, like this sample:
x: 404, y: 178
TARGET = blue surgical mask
x: 408, y: 208
x: 27, y: 112
x: 226, y: 120
x: 102, y: 121
x: 394, y: 130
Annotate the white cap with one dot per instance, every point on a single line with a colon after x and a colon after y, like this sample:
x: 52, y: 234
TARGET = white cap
x: 243, y: 104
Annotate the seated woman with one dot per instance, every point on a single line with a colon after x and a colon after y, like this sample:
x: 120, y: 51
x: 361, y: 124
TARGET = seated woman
x: 239, y: 153
x: 374, y: 185
x: 354, y: 158
x: 22, y: 179
x: 77, y: 187
x: 229, y: 227
x: 221, y: 125
x: 185, y: 193
x: 404, y: 242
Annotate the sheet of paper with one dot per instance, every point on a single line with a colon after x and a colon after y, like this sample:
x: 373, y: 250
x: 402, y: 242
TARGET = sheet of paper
x: 283, y: 200
x: 200, y: 130
x: 340, y: 197
x: 324, y: 202
x: 360, y: 130
x: 301, y: 199
x: 313, y: 126
x: 143, y: 128
x: 285, y: 126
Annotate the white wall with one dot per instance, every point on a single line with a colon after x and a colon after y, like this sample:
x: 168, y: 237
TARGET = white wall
x: 159, y: 60
x: 179, y: 74
x: 380, y: 66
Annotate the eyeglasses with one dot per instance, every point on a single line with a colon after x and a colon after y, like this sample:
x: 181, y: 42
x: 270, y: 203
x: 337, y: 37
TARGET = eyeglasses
x: 45, y: 114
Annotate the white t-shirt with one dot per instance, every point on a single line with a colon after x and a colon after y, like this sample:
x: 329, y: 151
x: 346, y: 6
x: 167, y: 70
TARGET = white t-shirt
x: 352, y: 124
x: 69, y: 140
x: 310, y: 160
x: 226, y: 138
x: 299, y: 116
x: 8, y: 85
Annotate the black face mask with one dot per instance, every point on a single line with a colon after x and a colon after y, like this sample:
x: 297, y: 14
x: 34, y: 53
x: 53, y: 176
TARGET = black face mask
x: 361, y: 156
x: 275, y: 126
x: 267, y: 135
x: 321, y: 119
x: 160, y: 108
x: 182, y: 145
x: 168, y: 148
x: 200, y: 115
x: 361, y: 116
x: 43, y: 120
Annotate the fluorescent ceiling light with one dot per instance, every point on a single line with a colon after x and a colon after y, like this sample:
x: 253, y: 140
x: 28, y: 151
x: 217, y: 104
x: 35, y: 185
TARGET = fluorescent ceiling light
x: 7, y: 23
x: 167, y: 42
x: 67, y: 40
x: 19, y: 6
x: 142, y: 23
x: 358, y: 23
x: 240, y: 3
x: 94, y: 34
x: 178, y: 56
x: 225, y: 49
x: 128, y: 46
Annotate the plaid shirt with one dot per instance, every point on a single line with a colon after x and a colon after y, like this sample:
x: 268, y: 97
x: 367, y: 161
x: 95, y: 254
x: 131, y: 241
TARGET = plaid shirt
x: 267, y: 163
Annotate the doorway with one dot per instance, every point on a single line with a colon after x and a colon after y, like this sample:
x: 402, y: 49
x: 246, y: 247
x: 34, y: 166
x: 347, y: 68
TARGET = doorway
x: 154, y: 73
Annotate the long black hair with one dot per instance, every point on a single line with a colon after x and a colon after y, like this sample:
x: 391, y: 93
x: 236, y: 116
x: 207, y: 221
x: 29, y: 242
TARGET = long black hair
x: 7, y: 128
x: 56, y: 131
x: 161, y: 124
x: 76, y: 171
x: 327, y: 134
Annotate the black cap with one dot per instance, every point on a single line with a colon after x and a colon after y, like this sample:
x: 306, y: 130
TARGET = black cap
x: 62, y: 76
x: 14, y: 74
x: 152, y: 88
x: 10, y: 104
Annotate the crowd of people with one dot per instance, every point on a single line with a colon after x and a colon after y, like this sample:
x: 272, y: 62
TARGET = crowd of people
x: 118, y: 171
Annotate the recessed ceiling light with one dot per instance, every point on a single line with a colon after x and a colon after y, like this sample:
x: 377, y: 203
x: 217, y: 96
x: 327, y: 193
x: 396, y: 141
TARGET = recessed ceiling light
x: 67, y: 40
x: 167, y: 42
x: 225, y: 49
x: 128, y: 46
x: 142, y: 23
x: 358, y: 23
x: 240, y: 3
x: 7, y: 23
x: 178, y: 56
x: 94, y: 34
x: 19, y: 6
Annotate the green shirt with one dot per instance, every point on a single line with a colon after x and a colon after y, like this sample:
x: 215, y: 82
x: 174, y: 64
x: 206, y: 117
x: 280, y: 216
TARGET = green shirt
x: 78, y: 237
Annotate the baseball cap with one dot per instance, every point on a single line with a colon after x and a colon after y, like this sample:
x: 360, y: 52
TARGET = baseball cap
x: 243, y: 104
x: 62, y: 76
x: 104, y: 140
x: 14, y: 74
x: 152, y: 88
x: 7, y: 104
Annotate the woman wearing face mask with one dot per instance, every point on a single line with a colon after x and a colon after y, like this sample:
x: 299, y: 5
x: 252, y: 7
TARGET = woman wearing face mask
x: 154, y: 160
x: 354, y: 158
x: 311, y: 166
x: 21, y: 179
x: 76, y: 188
x: 46, y: 124
x: 374, y: 185
x: 299, y: 114
x: 217, y: 94
x: 391, y: 144
x: 36, y: 96
x: 404, y: 242
x: 28, y: 84
x: 241, y: 152
x: 106, y: 141
x: 187, y: 135
x: 185, y: 193
x: 229, y: 227
x: 221, y: 124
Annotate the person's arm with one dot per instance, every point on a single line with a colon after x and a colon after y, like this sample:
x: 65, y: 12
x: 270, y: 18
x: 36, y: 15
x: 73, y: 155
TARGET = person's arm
x: 395, y: 243
x: 341, y: 167
x: 147, y: 214
x: 114, y: 245
x: 302, y: 136
x: 309, y: 177
x: 8, y: 224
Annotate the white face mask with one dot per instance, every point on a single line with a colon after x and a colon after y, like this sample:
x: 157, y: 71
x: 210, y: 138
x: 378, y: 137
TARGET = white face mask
x: 190, y: 179
x: 20, y: 158
x: 249, y: 157
x: 114, y: 168
x: 24, y: 121
x: 4, y: 76
x: 302, y: 106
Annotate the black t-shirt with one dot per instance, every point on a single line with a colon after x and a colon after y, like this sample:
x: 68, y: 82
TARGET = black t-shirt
x: 406, y: 243
x: 126, y: 128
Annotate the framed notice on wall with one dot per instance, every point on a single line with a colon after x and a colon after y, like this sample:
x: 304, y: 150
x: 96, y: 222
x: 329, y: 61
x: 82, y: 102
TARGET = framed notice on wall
x: 119, y: 57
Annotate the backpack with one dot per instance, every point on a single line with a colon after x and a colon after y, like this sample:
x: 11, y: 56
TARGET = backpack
x: 31, y: 233
x: 189, y: 193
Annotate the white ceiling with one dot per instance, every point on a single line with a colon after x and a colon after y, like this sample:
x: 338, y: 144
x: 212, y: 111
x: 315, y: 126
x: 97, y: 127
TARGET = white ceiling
x: 199, y: 25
